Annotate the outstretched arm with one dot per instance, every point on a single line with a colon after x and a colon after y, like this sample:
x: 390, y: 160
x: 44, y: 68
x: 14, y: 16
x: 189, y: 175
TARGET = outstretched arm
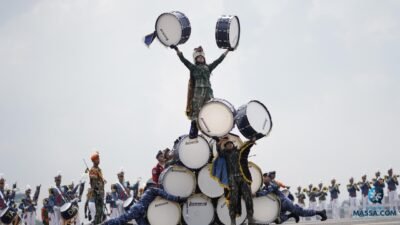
x: 186, y: 62
x: 167, y: 196
x: 214, y: 64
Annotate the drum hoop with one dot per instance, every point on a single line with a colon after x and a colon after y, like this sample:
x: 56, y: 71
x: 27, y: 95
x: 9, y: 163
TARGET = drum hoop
x: 258, y: 168
x: 174, y: 14
x: 175, y: 203
x: 65, y: 209
x: 178, y: 150
x: 274, y: 197
x: 266, y: 109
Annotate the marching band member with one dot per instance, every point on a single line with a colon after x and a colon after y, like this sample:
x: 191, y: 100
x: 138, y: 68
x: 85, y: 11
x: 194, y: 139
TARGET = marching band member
x: 199, y: 88
x: 123, y: 190
x: 272, y: 175
x: 156, y: 171
x: 322, y: 196
x: 49, y: 206
x: 287, y: 205
x: 97, y: 182
x: 112, y: 199
x: 3, y: 199
x: 45, y: 212
x: 312, y: 196
x: 334, y: 192
x: 28, y: 205
x: 300, y: 197
x: 392, y: 182
x: 59, y: 193
x: 352, y: 188
x: 379, y: 187
x: 239, y: 177
x: 138, y: 211
x: 364, y: 186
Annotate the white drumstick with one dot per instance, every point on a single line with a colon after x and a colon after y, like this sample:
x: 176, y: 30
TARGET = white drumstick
x: 204, y: 122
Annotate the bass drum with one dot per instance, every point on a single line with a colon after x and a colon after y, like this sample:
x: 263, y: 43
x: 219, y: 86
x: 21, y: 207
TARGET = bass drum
x: 207, y: 185
x: 256, y: 175
x: 223, y: 212
x: 253, y: 120
x: 178, y: 181
x: 68, y: 211
x: 266, y: 208
x: 192, y: 153
x: 128, y: 203
x: 216, y: 118
x: 9, y: 216
x: 163, y: 212
x: 227, y: 32
x: 173, y: 28
x: 198, y: 210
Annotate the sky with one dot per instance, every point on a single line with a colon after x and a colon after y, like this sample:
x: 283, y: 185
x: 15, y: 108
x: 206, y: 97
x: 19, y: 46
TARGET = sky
x: 75, y: 76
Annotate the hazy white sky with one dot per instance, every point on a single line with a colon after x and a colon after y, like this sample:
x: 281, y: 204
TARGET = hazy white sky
x: 75, y: 75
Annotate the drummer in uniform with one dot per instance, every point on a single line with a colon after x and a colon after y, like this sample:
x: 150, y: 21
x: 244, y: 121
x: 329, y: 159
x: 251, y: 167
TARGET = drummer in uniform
x: 59, y: 193
x: 156, y: 171
x: 97, y: 182
x: 199, y: 88
x: 3, y: 199
x: 28, y: 205
x: 49, y: 206
x: 123, y: 190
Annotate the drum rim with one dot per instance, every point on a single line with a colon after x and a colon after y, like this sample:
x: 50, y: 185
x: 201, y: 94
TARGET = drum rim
x: 201, y: 195
x: 257, y: 167
x: 229, y: 28
x: 198, y: 183
x: 175, y: 203
x: 172, y: 13
x: 62, y: 207
x: 178, y: 151
x: 231, y: 107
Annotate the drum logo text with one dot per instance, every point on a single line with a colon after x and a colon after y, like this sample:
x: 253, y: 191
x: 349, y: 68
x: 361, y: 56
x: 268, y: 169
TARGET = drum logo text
x: 161, y: 204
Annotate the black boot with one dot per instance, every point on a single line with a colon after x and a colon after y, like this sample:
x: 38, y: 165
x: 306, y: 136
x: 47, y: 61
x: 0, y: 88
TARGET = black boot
x: 193, y: 130
x: 322, y: 214
x: 295, y: 217
x: 278, y: 220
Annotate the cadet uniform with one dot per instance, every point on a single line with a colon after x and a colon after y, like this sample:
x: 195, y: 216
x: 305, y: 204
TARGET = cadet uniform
x: 138, y: 210
x: 112, y: 198
x: 352, y: 189
x: 364, y: 186
x: 334, y: 192
x: 312, y: 196
x: 28, y: 207
x: 392, y: 182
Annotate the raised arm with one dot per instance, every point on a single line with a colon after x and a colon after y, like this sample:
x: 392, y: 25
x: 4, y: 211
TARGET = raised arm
x: 186, y: 62
x: 214, y: 64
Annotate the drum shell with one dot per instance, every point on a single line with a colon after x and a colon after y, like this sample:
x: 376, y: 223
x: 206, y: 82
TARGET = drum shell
x: 182, y: 169
x: 8, y: 215
x: 243, y: 123
x: 222, y: 32
x: 70, y: 212
x: 185, y: 26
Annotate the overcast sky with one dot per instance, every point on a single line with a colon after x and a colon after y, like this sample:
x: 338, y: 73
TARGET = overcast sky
x: 75, y: 76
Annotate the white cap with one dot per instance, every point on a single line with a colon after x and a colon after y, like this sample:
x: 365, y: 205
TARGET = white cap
x: 121, y: 170
x: 28, y: 187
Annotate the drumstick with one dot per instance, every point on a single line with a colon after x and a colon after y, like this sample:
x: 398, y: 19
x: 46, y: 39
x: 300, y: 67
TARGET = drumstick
x: 204, y: 122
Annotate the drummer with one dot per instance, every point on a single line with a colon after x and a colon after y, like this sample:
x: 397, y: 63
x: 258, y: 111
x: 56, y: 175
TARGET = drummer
x: 156, y: 171
x: 199, y: 89
x: 123, y: 190
x: 287, y: 205
x: 138, y: 210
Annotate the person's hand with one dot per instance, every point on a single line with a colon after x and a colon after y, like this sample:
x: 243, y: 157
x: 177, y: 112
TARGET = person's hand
x: 231, y: 49
x: 182, y: 199
x: 174, y: 47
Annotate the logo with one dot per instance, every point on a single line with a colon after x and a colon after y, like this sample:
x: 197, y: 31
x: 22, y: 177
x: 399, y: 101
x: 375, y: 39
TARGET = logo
x: 374, y: 196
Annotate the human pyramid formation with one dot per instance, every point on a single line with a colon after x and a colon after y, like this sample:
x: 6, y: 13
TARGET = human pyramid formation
x: 208, y: 174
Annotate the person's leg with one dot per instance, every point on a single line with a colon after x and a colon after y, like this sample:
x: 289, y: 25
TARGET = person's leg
x: 246, y: 193
x: 235, y: 205
x: 92, y: 209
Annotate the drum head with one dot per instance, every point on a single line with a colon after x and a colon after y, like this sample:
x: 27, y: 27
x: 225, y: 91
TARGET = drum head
x: 163, y: 212
x: 128, y: 201
x: 207, y: 184
x: 234, y: 32
x: 259, y: 117
x: 194, y: 153
x: 223, y: 212
x: 65, y: 207
x: 178, y: 181
x: 169, y: 29
x: 266, y: 208
x: 216, y: 118
x: 198, y: 210
x: 256, y: 176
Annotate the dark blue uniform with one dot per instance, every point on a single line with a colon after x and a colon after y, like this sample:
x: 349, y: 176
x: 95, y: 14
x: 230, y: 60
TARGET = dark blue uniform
x: 138, y: 210
x: 286, y: 204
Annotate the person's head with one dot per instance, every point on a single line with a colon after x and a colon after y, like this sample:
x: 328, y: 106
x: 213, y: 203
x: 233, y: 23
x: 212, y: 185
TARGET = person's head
x: 390, y: 172
x: 160, y: 157
x: 229, y: 145
x: 380, y: 180
x: 167, y: 154
x: 299, y: 188
x: 377, y: 174
x: 320, y: 185
x: 199, y: 56
x: 121, y: 175
x: 2, y: 181
x: 71, y: 185
x: 272, y: 175
x: 45, y: 201
x: 266, y: 179
x: 50, y: 190
x: 364, y: 178
x: 113, y: 188
x: 57, y: 179
x: 310, y: 186
x: 351, y: 180
x: 95, y: 158
x: 28, y: 190
x: 333, y: 181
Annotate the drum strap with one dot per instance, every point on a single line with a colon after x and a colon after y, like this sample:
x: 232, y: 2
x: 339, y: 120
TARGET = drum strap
x: 123, y: 188
x: 2, y: 196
